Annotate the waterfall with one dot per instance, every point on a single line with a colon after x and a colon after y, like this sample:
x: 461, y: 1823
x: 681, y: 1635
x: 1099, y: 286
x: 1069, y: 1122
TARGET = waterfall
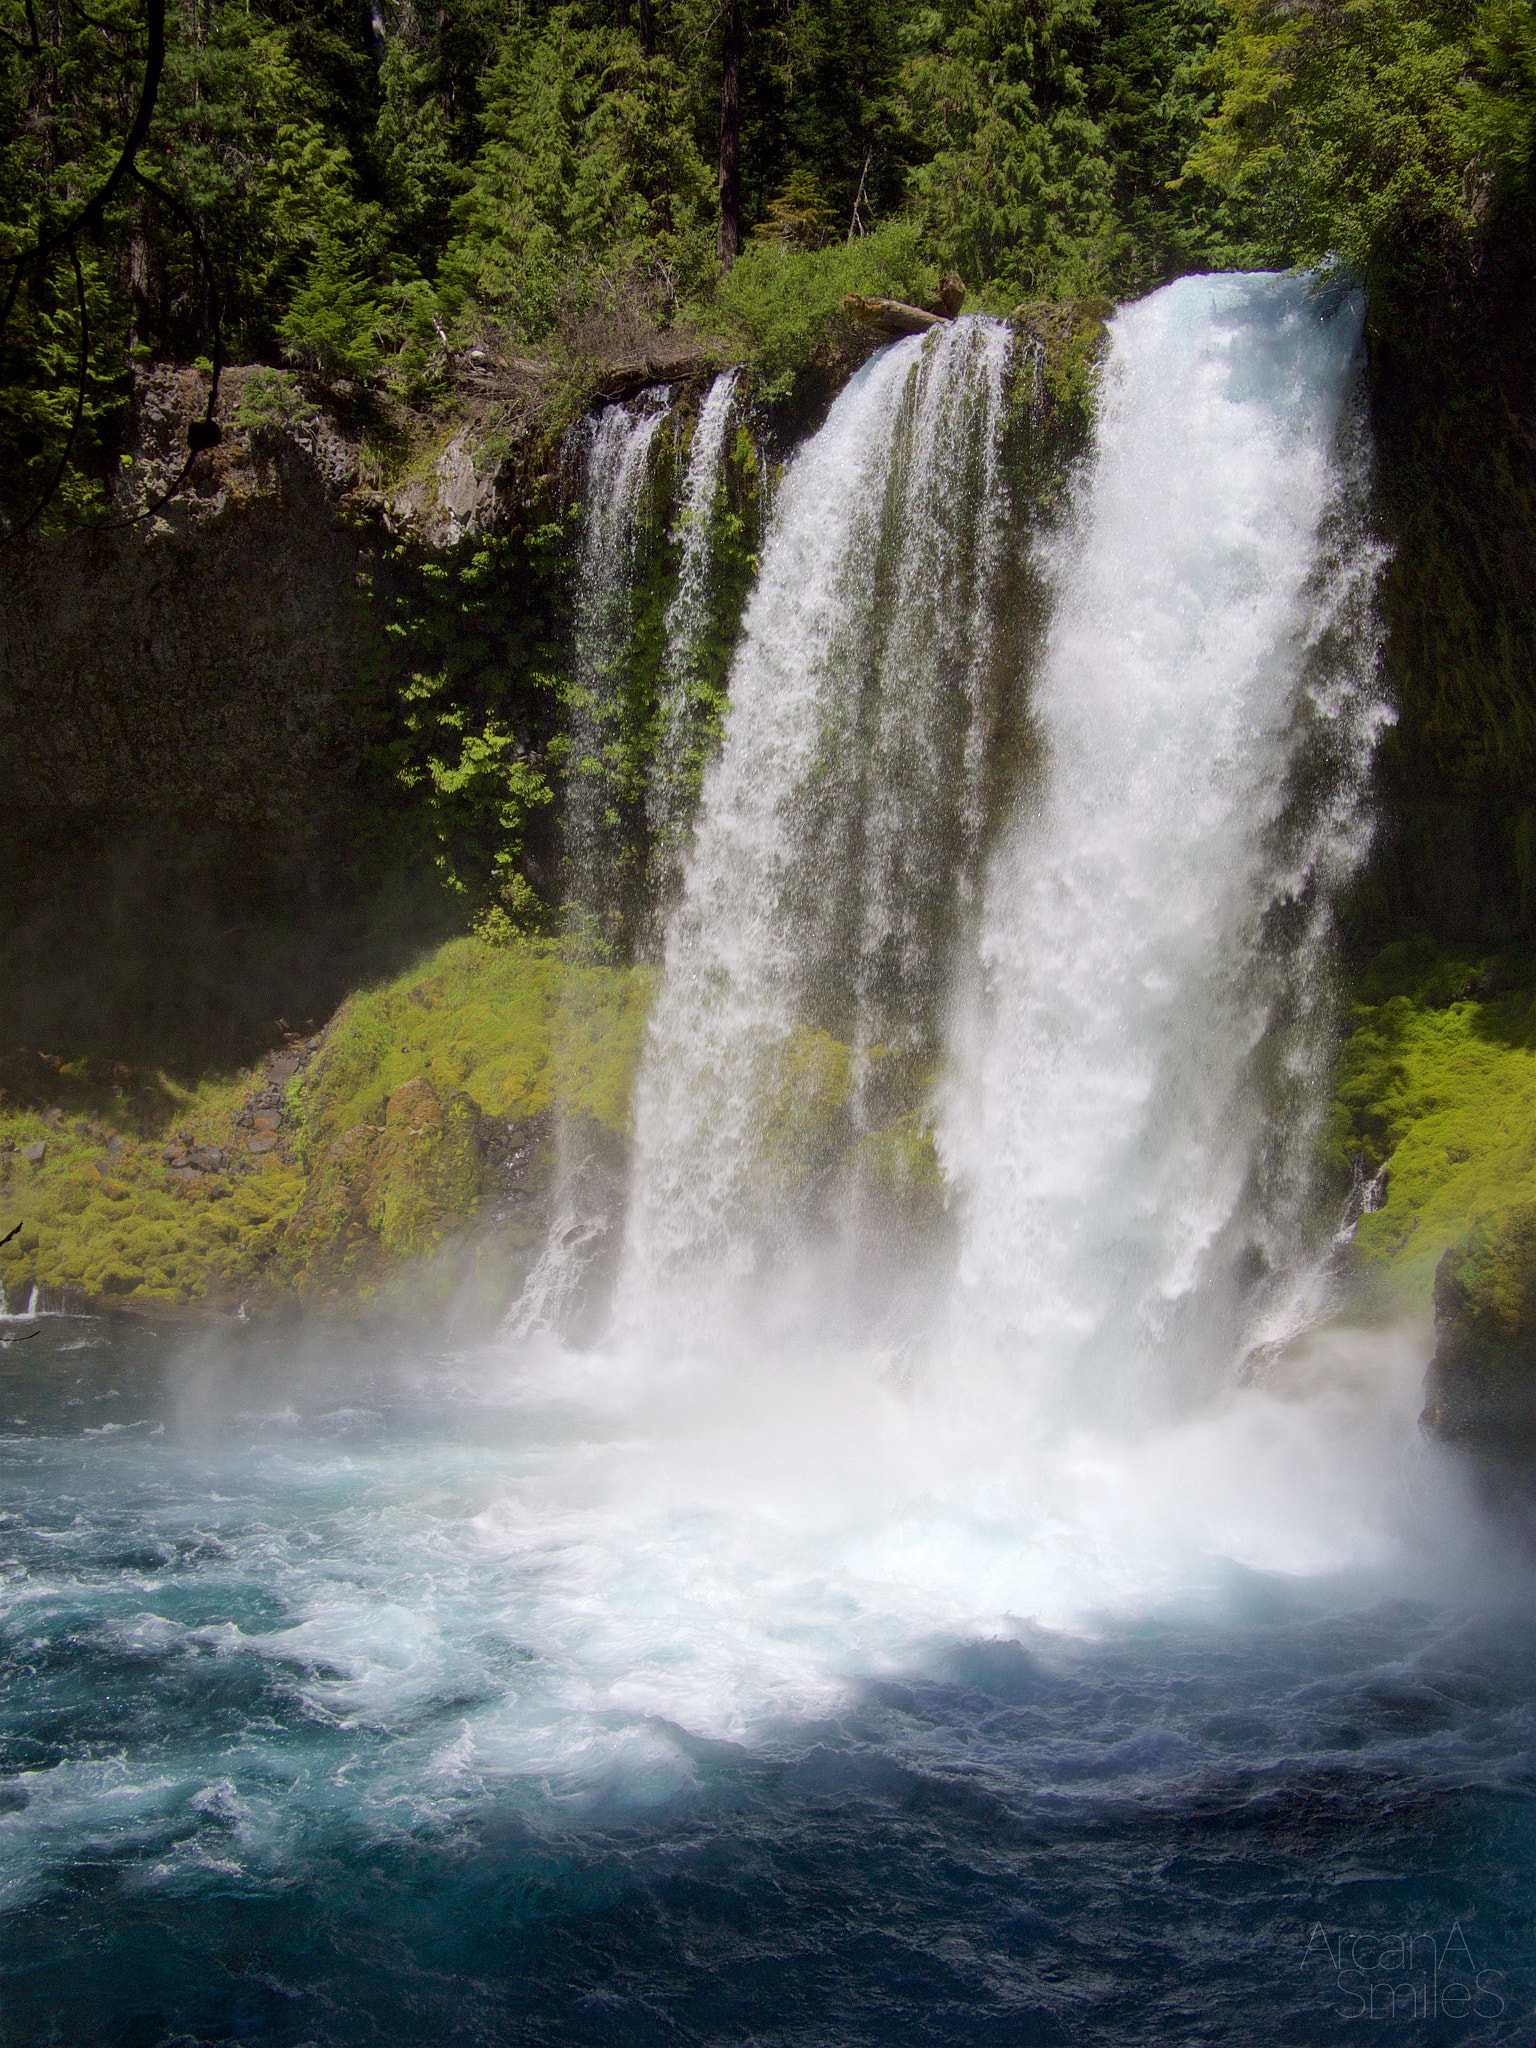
x: 687, y: 623
x: 613, y: 450
x: 838, y: 828
x: 1129, y: 986
x: 1139, y: 1060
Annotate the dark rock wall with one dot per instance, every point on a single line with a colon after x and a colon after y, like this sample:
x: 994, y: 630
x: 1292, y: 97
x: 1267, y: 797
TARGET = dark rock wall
x: 1453, y: 408
x: 196, y: 834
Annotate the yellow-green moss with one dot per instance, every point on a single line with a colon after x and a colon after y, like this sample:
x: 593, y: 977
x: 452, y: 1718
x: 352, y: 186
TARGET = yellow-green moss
x: 385, y: 1161
x: 136, y: 1235
x: 522, y: 1028
x: 1437, y: 1083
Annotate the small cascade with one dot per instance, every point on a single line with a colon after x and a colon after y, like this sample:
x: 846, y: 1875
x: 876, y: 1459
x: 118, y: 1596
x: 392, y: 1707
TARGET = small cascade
x: 613, y: 452
x: 838, y: 830
x: 1140, y: 1061
x: 687, y: 623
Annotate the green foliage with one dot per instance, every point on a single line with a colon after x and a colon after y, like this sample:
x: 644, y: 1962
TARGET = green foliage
x: 785, y: 302
x: 335, y: 319
x: 1387, y: 135
x: 483, y: 668
x: 1012, y: 181
x: 1152, y: 92
x: 589, y: 160
x: 271, y: 406
x: 376, y: 187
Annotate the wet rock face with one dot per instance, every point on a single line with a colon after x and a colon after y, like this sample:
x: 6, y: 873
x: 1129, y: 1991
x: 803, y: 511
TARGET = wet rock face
x: 1480, y: 1390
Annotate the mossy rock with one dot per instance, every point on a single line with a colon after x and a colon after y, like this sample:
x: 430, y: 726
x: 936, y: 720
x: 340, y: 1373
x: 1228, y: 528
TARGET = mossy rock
x: 1071, y: 338
x: 384, y: 1194
x: 1480, y: 1391
x: 387, y: 1167
x: 1436, y: 1085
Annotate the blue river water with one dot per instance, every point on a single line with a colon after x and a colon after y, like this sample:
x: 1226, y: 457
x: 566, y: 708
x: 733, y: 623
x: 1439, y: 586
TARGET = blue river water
x: 371, y: 1697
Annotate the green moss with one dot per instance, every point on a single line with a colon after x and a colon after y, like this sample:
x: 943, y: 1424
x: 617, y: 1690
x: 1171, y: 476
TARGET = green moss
x: 387, y: 1161
x: 1437, y: 1083
x: 523, y: 1028
x: 1069, y: 341
x: 1488, y: 1285
x: 801, y: 1111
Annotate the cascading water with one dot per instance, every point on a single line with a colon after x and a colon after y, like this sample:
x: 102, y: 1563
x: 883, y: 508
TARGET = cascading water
x: 614, y: 453
x: 687, y: 623
x: 614, y: 450
x: 838, y: 829
x: 1154, y: 946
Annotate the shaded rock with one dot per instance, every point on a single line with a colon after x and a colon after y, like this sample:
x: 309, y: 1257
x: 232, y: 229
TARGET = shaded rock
x: 35, y: 1153
x: 1480, y: 1390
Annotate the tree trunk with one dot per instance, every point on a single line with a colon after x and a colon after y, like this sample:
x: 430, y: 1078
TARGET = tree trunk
x: 141, y: 317
x: 892, y: 314
x: 647, y: 29
x: 730, y: 138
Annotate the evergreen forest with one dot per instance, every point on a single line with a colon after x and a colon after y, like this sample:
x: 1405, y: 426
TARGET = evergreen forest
x: 368, y: 190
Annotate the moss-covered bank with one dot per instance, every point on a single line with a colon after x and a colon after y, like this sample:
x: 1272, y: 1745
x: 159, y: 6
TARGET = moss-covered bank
x: 420, y: 1117
x: 406, y: 1155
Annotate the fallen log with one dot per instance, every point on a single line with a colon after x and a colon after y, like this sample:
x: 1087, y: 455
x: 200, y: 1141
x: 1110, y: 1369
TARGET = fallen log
x: 658, y: 366
x: 892, y: 315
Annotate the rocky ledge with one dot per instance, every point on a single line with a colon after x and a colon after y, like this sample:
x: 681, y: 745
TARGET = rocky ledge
x: 1480, y: 1391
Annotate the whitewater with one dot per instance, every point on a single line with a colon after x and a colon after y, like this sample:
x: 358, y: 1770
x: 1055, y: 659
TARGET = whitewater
x: 1024, y: 1629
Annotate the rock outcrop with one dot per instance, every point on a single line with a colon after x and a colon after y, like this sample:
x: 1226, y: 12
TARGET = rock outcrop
x: 1480, y: 1391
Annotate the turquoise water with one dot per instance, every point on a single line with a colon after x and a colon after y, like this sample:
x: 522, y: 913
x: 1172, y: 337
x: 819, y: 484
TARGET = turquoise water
x: 386, y: 1698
